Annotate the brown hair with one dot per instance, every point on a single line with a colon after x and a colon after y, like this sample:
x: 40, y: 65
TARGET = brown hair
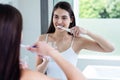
x: 10, y: 36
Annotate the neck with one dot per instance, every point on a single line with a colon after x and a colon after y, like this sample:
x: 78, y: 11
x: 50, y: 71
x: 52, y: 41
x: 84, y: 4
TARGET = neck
x: 61, y: 36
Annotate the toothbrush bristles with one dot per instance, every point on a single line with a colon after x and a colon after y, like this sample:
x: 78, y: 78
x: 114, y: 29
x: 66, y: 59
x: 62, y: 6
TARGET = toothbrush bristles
x: 66, y: 29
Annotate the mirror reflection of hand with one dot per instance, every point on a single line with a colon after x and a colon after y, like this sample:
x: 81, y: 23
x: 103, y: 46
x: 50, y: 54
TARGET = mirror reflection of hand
x: 76, y: 31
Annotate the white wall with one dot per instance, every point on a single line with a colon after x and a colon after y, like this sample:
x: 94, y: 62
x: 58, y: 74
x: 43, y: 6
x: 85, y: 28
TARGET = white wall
x: 11, y: 2
x: 30, y: 10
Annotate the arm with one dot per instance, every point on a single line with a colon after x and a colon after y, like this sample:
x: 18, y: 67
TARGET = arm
x: 96, y: 43
x: 27, y: 74
x: 42, y: 62
x: 100, y: 42
x: 71, y: 71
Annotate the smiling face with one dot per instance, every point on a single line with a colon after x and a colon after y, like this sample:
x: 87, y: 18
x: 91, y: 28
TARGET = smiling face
x: 61, y: 18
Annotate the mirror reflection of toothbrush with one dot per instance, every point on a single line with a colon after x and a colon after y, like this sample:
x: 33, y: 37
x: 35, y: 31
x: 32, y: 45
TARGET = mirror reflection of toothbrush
x: 68, y: 30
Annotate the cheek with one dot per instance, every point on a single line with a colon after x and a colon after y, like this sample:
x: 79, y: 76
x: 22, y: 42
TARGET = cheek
x: 54, y: 21
x: 67, y: 23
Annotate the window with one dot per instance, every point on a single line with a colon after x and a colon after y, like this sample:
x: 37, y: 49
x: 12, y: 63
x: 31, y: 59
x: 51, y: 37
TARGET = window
x: 107, y: 27
x: 99, y: 8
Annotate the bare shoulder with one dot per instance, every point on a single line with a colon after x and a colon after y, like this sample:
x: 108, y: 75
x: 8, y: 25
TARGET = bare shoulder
x: 80, y: 40
x: 43, y: 36
x: 33, y: 75
x: 80, y: 43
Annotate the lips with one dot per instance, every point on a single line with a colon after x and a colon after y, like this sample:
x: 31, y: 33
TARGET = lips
x: 59, y: 28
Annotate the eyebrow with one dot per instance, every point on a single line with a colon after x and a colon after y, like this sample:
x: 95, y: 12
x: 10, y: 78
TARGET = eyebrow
x: 61, y: 16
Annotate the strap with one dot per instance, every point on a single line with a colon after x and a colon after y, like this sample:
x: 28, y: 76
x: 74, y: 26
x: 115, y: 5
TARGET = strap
x: 72, y: 42
x: 46, y: 39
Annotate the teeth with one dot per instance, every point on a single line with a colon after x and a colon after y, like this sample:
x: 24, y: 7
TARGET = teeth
x: 66, y: 29
x: 60, y: 26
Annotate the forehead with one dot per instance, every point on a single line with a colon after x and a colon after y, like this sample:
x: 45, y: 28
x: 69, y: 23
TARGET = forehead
x: 61, y: 12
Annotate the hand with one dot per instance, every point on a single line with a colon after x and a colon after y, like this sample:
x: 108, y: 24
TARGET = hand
x: 41, y: 48
x: 43, y: 66
x: 23, y: 64
x: 76, y: 31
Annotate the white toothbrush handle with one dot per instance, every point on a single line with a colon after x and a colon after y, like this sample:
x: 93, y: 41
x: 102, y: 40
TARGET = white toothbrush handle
x: 24, y: 46
x: 72, y: 32
x: 81, y: 34
x: 68, y: 30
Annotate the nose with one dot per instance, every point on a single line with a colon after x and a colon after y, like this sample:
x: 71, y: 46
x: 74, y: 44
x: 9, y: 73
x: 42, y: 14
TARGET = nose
x: 59, y: 21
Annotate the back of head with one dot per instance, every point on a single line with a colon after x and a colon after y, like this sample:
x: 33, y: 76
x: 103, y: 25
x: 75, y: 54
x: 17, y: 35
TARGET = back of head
x: 10, y: 36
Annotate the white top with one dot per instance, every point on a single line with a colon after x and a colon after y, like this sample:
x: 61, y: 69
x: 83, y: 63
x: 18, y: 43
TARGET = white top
x: 54, y: 70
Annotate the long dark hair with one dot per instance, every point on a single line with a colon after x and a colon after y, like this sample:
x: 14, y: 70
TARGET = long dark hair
x: 10, y: 36
x: 66, y: 6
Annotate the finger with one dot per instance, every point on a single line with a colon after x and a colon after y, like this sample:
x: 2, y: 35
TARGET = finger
x: 77, y: 33
x: 33, y: 49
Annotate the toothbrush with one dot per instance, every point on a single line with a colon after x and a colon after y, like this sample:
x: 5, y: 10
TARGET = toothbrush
x: 25, y: 46
x: 66, y: 29
x: 22, y: 45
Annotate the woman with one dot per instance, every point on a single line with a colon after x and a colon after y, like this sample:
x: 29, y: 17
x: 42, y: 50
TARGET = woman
x: 69, y: 44
x: 10, y: 38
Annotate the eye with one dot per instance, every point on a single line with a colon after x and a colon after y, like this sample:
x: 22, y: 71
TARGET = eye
x: 64, y: 17
x: 55, y: 16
